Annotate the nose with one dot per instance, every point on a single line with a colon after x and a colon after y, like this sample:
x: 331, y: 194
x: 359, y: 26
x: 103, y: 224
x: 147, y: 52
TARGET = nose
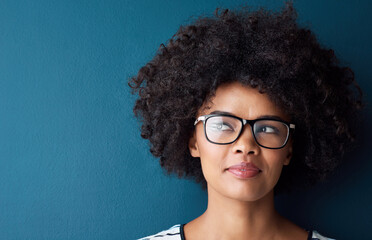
x: 246, y: 143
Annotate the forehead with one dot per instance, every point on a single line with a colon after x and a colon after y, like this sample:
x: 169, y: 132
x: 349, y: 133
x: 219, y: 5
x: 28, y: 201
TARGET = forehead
x: 243, y: 101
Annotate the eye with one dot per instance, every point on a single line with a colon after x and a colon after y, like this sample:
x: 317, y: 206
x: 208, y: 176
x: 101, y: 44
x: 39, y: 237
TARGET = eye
x: 267, y: 129
x: 222, y: 126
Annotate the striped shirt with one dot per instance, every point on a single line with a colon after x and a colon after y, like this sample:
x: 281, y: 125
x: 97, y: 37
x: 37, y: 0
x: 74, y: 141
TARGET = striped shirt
x: 176, y: 233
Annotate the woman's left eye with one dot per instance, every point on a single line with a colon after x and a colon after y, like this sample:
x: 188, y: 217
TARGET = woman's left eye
x: 268, y: 129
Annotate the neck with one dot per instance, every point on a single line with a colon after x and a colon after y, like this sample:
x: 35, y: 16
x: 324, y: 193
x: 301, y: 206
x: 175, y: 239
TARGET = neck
x: 227, y: 218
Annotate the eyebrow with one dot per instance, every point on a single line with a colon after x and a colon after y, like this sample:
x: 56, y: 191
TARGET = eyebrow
x: 260, y: 117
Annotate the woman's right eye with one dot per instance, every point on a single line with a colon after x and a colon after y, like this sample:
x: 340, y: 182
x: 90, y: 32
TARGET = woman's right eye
x: 222, y: 126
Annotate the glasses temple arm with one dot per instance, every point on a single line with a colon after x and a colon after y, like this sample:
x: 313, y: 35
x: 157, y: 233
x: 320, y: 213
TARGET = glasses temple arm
x: 201, y: 118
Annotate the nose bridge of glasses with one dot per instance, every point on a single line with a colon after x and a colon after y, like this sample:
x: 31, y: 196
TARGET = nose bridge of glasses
x: 245, y: 141
x: 249, y: 124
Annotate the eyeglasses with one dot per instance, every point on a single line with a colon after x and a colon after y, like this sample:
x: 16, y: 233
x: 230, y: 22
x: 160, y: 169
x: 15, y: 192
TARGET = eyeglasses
x: 226, y: 129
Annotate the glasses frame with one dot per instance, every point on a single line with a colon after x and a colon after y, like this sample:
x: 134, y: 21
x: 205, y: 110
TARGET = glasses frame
x: 204, y: 119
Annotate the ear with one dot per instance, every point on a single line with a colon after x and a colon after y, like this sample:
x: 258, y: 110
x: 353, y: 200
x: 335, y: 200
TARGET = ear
x: 289, y: 154
x: 193, y: 146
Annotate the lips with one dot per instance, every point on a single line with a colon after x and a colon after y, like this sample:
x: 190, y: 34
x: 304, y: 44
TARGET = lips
x: 244, y: 170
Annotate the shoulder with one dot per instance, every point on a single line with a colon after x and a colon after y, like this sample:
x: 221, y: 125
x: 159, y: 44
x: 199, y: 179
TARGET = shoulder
x: 317, y: 236
x: 172, y: 233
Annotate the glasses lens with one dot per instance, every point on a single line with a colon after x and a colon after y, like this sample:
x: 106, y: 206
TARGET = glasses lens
x: 271, y: 133
x: 222, y: 129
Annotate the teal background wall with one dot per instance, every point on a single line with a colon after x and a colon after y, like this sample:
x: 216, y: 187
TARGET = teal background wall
x: 72, y: 163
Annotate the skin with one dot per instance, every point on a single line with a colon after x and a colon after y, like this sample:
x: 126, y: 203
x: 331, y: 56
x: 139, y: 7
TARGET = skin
x: 240, y: 208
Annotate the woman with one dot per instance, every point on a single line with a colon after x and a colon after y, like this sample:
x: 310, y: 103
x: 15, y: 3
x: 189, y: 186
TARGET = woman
x: 248, y: 104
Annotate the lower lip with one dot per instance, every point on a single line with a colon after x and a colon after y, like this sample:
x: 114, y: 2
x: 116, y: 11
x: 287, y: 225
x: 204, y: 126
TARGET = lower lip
x: 244, y: 174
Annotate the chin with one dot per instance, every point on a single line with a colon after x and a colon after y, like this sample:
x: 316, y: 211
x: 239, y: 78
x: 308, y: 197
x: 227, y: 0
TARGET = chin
x: 246, y: 195
x: 251, y: 198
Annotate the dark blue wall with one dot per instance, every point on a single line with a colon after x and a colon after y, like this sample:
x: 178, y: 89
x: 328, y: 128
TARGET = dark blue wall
x: 72, y: 163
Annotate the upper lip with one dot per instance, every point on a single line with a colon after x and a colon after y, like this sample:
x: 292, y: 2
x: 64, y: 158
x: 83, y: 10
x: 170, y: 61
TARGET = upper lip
x: 245, y: 165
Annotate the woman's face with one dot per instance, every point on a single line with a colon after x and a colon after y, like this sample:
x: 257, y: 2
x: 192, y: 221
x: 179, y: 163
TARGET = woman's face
x: 247, y: 103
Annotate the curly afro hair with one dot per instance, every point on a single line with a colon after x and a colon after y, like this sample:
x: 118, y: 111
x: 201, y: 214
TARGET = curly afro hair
x: 262, y: 49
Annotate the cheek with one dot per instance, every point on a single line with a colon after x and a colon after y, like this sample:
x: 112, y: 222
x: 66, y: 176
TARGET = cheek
x: 274, y: 162
x: 212, y: 157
